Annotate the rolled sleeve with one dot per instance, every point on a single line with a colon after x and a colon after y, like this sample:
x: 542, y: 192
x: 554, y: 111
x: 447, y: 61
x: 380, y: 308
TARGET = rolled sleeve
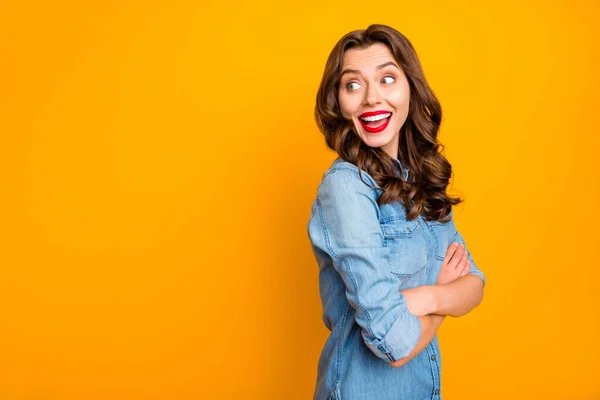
x: 348, y: 229
x: 400, y: 340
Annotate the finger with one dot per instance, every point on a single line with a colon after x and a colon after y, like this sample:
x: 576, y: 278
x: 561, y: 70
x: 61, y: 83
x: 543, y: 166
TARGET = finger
x: 465, y: 256
x: 465, y: 264
x: 457, y: 256
x: 449, y: 252
x: 467, y: 269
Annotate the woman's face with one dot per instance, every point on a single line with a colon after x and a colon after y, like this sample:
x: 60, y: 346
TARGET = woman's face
x: 374, y: 94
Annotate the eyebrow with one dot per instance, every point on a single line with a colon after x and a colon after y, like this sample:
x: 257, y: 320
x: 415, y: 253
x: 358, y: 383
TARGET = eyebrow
x: 348, y: 71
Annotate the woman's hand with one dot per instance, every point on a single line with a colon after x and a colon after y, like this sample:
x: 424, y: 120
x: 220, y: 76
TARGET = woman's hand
x: 422, y: 300
x: 455, y: 264
x: 419, y: 300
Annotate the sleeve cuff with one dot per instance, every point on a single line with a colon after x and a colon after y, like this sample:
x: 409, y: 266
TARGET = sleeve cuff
x: 400, y: 340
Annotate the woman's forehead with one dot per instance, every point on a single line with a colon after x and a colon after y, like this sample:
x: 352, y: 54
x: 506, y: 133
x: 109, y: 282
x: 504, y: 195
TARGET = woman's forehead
x: 375, y: 54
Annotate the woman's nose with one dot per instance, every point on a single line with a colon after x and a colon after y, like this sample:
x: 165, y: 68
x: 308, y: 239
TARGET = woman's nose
x: 372, y: 95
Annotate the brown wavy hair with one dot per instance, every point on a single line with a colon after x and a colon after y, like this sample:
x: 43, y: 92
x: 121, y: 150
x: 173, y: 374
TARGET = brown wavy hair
x: 419, y: 148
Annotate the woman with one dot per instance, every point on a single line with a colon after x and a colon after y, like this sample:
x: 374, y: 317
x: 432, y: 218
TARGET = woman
x: 391, y: 263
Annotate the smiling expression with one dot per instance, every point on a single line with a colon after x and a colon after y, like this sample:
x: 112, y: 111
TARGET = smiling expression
x: 374, y: 94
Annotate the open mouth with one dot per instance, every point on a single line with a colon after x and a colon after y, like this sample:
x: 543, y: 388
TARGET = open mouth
x: 375, y: 122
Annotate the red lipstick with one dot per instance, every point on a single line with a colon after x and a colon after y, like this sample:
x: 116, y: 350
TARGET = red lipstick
x: 375, y: 129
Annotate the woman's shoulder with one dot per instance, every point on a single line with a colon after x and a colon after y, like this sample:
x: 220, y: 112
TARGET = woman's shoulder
x: 343, y: 176
x: 340, y: 169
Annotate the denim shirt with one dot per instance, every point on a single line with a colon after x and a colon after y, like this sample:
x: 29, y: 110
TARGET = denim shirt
x: 366, y: 255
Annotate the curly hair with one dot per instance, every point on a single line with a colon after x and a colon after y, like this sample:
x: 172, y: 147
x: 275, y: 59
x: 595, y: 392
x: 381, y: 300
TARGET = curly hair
x: 419, y: 148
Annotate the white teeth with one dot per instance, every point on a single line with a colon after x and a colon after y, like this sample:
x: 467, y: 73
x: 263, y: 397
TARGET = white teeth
x: 376, y: 117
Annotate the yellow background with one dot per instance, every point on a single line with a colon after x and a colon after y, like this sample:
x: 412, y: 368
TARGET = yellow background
x: 159, y: 160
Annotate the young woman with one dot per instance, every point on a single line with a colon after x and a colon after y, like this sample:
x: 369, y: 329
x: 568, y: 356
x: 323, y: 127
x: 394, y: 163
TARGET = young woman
x: 391, y: 263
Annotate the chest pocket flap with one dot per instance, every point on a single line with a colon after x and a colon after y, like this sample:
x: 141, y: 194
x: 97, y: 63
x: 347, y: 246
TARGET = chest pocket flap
x: 406, y: 240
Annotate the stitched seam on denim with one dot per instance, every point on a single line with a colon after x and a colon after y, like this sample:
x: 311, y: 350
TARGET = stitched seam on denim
x: 399, y: 275
x: 394, y: 234
x: 409, y: 238
x: 335, y: 170
x: 331, y: 395
x: 437, y: 242
x: 334, y: 394
x: 327, y: 242
x: 439, y: 371
x: 438, y: 367
x: 405, y: 173
x: 432, y: 369
x: 392, y: 218
x: 338, y: 367
x: 345, y: 261
x: 384, y: 348
x: 356, y: 172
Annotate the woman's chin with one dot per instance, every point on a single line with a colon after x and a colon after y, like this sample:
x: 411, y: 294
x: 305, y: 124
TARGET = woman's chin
x: 373, y: 141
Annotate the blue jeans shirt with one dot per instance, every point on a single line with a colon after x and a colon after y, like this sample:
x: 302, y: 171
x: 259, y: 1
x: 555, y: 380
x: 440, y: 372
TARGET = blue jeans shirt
x: 366, y: 254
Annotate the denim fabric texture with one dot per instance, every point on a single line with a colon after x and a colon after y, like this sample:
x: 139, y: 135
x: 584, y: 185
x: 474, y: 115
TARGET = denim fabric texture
x: 366, y: 254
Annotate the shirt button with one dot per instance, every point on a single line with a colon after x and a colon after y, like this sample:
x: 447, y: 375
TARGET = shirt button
x: 437, y: 392
x: 432, y: 358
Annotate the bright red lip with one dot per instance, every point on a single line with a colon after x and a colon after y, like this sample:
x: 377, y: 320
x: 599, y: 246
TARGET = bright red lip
x: 371, y: 113
x: 375, y: 129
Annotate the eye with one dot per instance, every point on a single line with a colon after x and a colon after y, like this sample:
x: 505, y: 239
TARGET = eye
x: 390, y: 79
x: 351, y: 88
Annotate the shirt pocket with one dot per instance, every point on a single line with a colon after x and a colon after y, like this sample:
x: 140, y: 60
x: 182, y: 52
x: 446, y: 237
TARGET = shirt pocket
x: 406, y: 241
x: 443, y: 234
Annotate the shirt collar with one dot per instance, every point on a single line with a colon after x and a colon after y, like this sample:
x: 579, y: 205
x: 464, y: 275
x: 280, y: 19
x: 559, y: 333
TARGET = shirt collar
x: 400, y: 167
